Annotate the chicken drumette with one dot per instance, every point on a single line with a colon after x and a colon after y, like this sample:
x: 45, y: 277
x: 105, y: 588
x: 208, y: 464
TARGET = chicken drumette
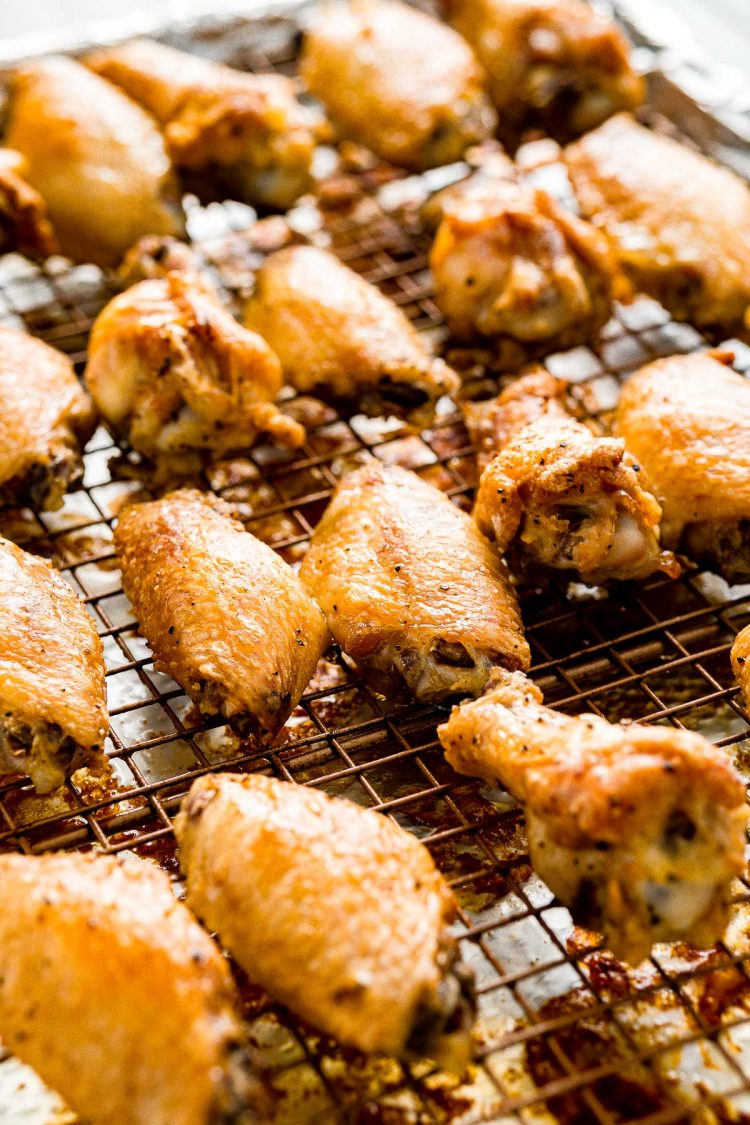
x: 639, y: 830
x: 274, y: 868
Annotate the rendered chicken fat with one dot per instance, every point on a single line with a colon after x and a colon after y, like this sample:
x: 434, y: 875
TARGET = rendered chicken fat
x: 639, y: 830
x: 275, y: 868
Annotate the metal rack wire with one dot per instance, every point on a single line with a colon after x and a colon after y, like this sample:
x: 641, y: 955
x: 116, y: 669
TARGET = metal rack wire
x: 565, y: 1031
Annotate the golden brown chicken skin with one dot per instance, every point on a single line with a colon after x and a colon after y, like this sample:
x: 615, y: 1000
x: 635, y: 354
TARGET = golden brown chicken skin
x: 741, y: 662
x: 116, y: 996
x: 409, y: 586
x: 52, y: 694
x: 687, y: 421
x: 244, y: 133
x: 156, y: 256
x: 96, y: 158
x: 45, y: 419
x: 279, y: 870
x: 397, y: 81
x: 638, y: 830
x: 552, y: 65
x: 225, y: 616
x: 509, y: 261
x: 340, y: 338
x: 680, y: 223
x: 24, y: 225
x: 560, y: 496
x: 175, y: 374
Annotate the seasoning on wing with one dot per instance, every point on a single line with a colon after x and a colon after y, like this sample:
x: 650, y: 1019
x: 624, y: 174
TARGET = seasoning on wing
x: 687, y: 420
x: 552, y: 65
x: 96, y: 158
x: 398, y: 81
x: 639, y: 830
x: 225, y: 616
x: 115, y: 994
x: 681, y: 224
x: 45, y: 419
x: 339, y: 337
x: 277, y: 870
x: 179, y: 378
x: 508, y: 261
x: 24, y: 225
x: 409, y: 586
x: 52, y: 694
x: 741, y: 662
x: 244, y: 133
x: 557, y: 494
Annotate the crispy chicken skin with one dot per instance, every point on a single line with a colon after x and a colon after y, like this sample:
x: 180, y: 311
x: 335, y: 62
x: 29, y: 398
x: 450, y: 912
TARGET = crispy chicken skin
x: 225, y: 616
x: 45, y: 419
x: 639, y: 830
x: 509, y: 261
x: 155, y: 256
x: 96, y: 158
x: 557, y: 494
x: 741, y: 662
x: 398, y: 81
x: 410, y: 588
x: 334, y: 909
x: 52, y: 694
x: 246, y: 133
x: 24, y: 225
x: 115, y: 994
x: 173, y: 372
x: 687, y: 420
x: 681, y: 224
x: 339, y: 337
x: 552, y: 65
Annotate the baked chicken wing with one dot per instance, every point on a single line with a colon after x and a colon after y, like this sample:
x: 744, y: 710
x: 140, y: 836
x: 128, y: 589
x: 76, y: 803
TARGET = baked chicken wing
x: 410, y: 588
x: 639, y: 830
x: 96, y: 158
x: 397, y: 81
x: 178, y: 377
x: 687, y: 421
x: 508, y: 261
x: 113, y: 992
x: 225, y: 616
x: 245, y: 133
x: 332, y: 908
x: 557, y: 494
x: 554, y: 65
x: 24, y: 225
x: 45, y: 419
x: 741, y: 662
x: 680, y: 223
x: 340, y: 338
x: 52, y: 695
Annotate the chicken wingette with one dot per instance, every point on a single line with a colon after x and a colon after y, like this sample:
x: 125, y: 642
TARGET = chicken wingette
x: 508, y: 261
x: 741, y: 662
x: 409, y: 586
x: 680, y: 223
x: 340, y: 338
x: 225, y: 616
x: 560, y: 496
x: 687, y: 421
x: 334, y: 909
x: 638, y: 830
x: 97, y: 159
x: 24, y: 225
x: 52, y: 694
x: 179, y: 378
x: 45, y: 419
x: 245, y: 134
x: 554, y: 65
x: 398, y: 81
x: 116, y: 996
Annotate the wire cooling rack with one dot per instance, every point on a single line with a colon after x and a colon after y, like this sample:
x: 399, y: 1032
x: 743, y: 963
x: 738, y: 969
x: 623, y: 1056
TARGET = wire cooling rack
x: 565, y: 1032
